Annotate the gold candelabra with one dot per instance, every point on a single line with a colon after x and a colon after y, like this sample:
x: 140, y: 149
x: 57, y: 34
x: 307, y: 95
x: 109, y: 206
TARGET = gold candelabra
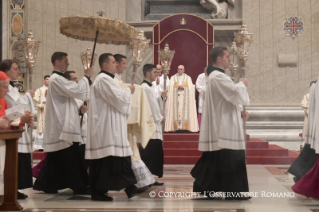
x: 86, y: 58
x: 239, y: 52
x: 165, y: 59
x: 139, y: 44
x: 30, y: 49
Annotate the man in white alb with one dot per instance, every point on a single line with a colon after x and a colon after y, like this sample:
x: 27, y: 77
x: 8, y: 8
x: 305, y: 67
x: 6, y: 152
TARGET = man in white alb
x: 107, y: 146
x: 222, y: 166
x: 63, y: 167
x: 153, y: 155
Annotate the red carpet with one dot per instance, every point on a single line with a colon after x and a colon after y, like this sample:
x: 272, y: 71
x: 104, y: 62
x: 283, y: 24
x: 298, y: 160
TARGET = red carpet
x: 182, y: 148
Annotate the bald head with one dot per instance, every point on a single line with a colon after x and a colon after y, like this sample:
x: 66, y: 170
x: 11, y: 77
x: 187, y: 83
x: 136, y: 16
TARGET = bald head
x: 159, y: 69
x: 180, y: 69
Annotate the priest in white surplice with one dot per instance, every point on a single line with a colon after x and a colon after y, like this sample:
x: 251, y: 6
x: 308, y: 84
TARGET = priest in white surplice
x: 140, y: 125
x: 153, y: 155
x: 107, y: 146
x: 307, y: 171
x: 158, y: 83
x: 63, y: 167
x: 13, y: 97
x: 222, y: 166
x: 82, y: 106
x: 181, y: 103
x: 305, y: 106
x: 308, y: 157
x: 40, y: 103
x: 201, y: 88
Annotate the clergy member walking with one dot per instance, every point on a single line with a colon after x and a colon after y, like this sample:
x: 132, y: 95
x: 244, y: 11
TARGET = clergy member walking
x: 107, y: 146
x: 63, y: 167
x: 142, y: 174
x: 222, y: 166
x: 306, y: 166
x: 152, y: 155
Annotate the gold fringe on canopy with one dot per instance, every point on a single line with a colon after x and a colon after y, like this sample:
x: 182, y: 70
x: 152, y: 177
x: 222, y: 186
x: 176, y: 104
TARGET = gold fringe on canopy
x: 111, y: 31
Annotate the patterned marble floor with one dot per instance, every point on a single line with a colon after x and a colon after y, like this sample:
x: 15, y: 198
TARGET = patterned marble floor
x: 271, y: 185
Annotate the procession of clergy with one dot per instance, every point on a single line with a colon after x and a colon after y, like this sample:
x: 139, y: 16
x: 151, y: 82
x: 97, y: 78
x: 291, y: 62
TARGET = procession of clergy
x: 89, y: 130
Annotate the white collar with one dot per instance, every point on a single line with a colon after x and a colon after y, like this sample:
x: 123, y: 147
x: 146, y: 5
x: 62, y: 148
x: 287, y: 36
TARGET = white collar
x: 118, y: 76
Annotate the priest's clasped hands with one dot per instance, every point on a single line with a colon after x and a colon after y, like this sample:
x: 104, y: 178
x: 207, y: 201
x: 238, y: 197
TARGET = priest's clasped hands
x: 180, y: 87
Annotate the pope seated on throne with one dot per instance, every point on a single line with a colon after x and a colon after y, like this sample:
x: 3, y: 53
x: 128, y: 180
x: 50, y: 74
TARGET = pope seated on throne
x: 181, y: 104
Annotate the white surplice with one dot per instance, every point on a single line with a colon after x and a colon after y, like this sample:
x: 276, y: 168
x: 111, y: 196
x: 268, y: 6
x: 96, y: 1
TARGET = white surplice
x: 201, y: 88
x: 305, y: 106
x: 221, y: 119
x: 312, y: 133
x: 159, y: 88
x: 141, y: 127
x: 109, y: 109
x: 13, y: 97
x: 84, y: 120
x: 62, y: 122
x: 155, y: 103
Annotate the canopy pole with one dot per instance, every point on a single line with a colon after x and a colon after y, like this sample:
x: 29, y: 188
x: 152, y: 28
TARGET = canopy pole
x: 96, y: 34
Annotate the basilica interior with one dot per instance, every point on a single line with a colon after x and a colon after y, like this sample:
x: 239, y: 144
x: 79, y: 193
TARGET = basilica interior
x: 281, y: 62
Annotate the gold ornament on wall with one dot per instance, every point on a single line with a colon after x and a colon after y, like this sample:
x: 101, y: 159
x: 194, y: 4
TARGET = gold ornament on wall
x: 183, y: 22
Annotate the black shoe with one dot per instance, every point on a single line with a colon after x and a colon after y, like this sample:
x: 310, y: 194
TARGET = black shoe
x: 141, y: 190
x: 84, y: 191
x: 22, y: 195
x: 157, y: 184
x: 101, y: 197
x: 50, y: 191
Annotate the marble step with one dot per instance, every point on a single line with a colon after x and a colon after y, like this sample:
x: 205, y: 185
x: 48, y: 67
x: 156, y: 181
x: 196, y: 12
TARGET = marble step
x: 275, y: 134
x: 275, y: 114
x: 274, y: 125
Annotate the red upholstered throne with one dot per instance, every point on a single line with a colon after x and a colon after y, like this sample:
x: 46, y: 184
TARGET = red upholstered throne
x: 191, y: 41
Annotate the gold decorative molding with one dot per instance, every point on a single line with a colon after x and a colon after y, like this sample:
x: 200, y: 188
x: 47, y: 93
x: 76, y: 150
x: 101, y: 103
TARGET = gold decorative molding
x: 17, y: 27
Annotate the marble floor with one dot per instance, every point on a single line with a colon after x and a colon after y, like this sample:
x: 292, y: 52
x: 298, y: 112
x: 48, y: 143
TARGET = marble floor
x: 266, y: 181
